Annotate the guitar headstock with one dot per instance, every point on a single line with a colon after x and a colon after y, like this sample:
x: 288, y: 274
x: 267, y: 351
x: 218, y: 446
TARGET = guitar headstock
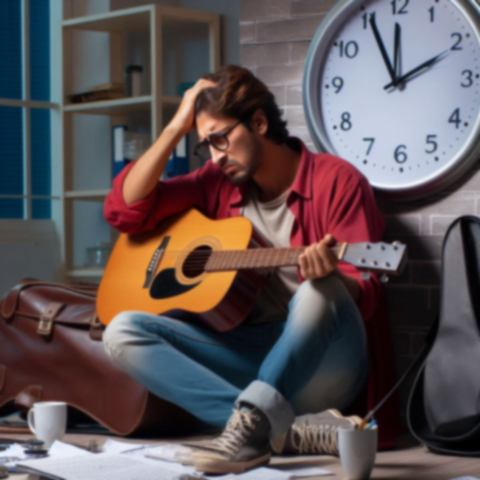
x: 387, y: 258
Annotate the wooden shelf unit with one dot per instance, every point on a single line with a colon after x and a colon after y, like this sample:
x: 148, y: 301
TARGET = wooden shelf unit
x: 162, y: 25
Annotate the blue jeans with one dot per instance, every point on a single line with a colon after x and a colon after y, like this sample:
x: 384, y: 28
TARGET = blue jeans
x: 314, y: 360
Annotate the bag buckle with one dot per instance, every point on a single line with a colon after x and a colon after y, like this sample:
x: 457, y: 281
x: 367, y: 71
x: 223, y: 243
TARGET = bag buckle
x: 45, y: 325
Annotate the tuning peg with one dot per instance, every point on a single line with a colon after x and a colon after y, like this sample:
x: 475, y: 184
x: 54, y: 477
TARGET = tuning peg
x: 384, y: 278
x: 365, y: 276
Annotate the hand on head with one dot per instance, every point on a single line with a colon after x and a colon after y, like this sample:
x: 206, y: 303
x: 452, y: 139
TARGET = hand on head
x: 184, y: 119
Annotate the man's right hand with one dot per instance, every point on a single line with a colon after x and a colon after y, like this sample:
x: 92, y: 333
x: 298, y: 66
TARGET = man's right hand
x: 184, y: 119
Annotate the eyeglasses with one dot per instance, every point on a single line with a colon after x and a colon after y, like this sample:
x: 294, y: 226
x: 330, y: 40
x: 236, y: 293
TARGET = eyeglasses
x: 219, y: 141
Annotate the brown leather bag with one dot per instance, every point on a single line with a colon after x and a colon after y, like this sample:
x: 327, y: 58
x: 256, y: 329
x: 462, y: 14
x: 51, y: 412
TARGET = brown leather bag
x: 51, y: 349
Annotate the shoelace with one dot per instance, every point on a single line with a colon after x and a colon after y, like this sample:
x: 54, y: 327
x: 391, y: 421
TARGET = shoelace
x: 314, y: 439
x: 236, y: 432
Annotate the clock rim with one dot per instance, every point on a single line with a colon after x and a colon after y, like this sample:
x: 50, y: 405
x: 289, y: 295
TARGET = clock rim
x: 467, y: 156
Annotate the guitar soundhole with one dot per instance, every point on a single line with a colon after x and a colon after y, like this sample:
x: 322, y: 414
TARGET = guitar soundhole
x: 194, y: 264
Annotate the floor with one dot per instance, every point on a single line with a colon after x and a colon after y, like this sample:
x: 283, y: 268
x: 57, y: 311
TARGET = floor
x: 409, y: 461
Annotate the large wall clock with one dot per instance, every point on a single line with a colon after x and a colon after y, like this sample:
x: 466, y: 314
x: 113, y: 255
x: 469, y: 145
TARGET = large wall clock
x: 393, y: 86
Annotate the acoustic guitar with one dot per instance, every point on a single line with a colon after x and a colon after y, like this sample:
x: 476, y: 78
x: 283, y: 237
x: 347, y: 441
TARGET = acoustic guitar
x: 209, y: 271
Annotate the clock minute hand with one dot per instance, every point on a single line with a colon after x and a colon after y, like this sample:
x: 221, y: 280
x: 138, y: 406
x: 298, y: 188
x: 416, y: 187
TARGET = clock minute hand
x: 397, y: 55
x: 381, y: 46
x: 411, y: 73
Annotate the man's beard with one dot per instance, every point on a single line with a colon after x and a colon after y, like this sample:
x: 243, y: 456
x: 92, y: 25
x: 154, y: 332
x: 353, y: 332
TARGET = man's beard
x: 253, y: 162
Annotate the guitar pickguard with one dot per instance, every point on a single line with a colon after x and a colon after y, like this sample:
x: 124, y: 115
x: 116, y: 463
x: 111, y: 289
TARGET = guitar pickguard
x: 165, y: 285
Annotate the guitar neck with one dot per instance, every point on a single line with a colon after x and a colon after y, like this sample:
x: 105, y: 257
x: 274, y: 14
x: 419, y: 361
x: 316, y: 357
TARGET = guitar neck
x: 226, y: 260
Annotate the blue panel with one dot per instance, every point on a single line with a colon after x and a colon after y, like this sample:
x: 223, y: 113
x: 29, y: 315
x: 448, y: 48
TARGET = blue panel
x: 41, y: 151
x: 11, y: 208
x: 41, y: 208
x: 10, y: 49
x: 11, y: 151
x: 41, y: 159
x: 39, y: 50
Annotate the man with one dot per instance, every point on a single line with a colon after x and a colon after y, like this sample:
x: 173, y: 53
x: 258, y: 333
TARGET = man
x: 303, y: 347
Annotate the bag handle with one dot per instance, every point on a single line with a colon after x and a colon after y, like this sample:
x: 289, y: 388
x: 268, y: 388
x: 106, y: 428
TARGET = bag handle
x: 10, y: 301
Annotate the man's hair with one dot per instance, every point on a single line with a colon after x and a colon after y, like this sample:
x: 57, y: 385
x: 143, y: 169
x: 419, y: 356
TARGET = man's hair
x: 239, y: 94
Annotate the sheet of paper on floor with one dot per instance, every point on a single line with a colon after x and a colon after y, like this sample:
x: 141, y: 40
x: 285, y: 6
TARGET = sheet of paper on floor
x: 102, y: 467
x: 267, y: 473
x: 465, y: 478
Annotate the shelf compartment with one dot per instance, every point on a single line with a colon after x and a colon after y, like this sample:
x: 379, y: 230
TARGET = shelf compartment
x: 130, y: 20
x: 123, y: 106
x: 94, y: 195
x: 85, y: 272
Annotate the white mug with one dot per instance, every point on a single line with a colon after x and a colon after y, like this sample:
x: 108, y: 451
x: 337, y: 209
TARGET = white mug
x: 358, y: 449
x: 48, y: 421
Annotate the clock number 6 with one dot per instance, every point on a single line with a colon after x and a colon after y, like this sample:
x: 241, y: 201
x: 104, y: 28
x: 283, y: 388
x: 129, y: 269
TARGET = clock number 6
x: 399, y: 155
x: 432, y: 142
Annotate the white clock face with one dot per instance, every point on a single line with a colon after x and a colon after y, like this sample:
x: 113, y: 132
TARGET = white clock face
x: 398, y: 89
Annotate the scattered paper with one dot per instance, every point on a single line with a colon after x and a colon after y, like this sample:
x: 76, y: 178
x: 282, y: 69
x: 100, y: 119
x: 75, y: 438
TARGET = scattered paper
x: 112, y: 446
x: 63, y: 450
x: 282, y: 473
x: 465, y: 478
x: 101, y: 467
x: 13, y: 454
x: 171, y: 452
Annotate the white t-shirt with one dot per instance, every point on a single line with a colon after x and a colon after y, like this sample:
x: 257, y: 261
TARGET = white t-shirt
x: 274, y: 221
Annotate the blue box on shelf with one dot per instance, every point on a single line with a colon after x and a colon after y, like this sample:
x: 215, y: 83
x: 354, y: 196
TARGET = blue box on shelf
x: 118, y: 155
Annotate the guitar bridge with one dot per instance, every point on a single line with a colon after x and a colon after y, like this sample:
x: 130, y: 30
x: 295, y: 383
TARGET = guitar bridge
x: 155, y: 261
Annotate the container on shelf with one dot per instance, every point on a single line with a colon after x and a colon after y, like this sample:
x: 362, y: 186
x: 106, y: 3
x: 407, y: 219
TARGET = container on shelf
x: 98, y: 255
x: 133, y: 80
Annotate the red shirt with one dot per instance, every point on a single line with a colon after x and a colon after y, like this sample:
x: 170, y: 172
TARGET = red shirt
x: 328, y: 195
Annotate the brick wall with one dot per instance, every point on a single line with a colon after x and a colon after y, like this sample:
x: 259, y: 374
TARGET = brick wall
x: 274, y: 39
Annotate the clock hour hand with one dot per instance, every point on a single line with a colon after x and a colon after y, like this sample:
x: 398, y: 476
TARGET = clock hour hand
x: 381, y: 46
x: 416, y: 70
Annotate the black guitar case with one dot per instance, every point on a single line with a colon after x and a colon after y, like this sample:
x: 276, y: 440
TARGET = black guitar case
x: 444, y: 404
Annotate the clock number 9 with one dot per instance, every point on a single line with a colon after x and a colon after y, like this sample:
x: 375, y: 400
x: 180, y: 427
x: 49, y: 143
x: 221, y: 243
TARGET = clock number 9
x: 431, y: 141
x: 346, y: 124
x: 399, y: 155
x: 337, y: 82
x: 469, y: 79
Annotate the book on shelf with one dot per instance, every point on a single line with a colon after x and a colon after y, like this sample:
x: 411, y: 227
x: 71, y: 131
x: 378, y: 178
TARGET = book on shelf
x: 113, y: 86
x: 95, y: 96
x: 178, y: 162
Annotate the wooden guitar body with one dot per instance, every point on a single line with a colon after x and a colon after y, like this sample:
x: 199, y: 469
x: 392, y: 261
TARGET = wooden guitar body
x: 148, y: 273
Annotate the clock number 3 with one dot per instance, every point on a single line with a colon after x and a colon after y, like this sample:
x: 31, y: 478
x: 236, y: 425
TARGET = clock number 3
x: 469, y: 79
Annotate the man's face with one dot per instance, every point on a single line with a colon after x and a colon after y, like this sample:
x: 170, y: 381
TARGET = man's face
x: 242, y: 158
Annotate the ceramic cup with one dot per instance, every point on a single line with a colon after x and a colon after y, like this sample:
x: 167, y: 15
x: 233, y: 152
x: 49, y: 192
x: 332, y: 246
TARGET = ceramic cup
x: 358, y: 449
x: 48, y: 421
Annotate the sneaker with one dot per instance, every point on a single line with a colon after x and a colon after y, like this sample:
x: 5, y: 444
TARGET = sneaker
x: 244, y: 444
x: 314, y: 434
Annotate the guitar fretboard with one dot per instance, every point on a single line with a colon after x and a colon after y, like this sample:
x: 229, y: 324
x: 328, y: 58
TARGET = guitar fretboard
x: 257, y: 258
